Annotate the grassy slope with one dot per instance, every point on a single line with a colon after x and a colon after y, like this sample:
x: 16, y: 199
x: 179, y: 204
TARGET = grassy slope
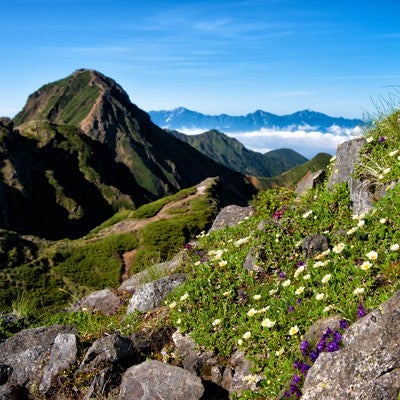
x: 62, y: 271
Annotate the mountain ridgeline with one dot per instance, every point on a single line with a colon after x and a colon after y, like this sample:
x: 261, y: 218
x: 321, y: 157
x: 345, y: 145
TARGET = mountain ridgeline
x: 183, y: 119
x: 231, y: 153
x: 80, y: 150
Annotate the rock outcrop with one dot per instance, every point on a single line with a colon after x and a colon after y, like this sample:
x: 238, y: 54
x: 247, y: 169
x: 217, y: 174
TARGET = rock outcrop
x: 367, y: 367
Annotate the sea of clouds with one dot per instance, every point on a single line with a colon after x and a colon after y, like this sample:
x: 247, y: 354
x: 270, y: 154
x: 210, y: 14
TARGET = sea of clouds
x: 304, y: 140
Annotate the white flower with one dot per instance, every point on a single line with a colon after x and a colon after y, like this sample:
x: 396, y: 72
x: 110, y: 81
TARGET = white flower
x: 370, y: 139
x: 216, y: 322
x: 197, y: 263
x: 328, y: 308
x: 366, y: 265
x: 293, y: 330
x: 267, y: 323
x: 300, y: 290
x: 286, y: 283
x: 306, y: 277
x: 358, y: 291
x: 244, y: 240
x: 251, y: 312
x: 320, y: 296
x: 352, y: 230
x: 383, y: 220
x: 394, y: 247
x: 247, y: 335
x: 361, y: 223
x: 273, y: 291
x: 257, y: 297
x: 386, y: 171
x: 222, y: 263
x: 178, y: 321
x: 307, y: 214
x: 359, y: 216
x: 172, y: 305
x: 251, y: 379
x: 264, y: 309
x: 185, y: 296
x: 279, y: 352
x: 338, y: 248
x: 240, y: 342
x: 332, y: 159
x: 227, y: 293
x: 326, y: 278
x: 372, y: 255
x: 299, y: 270
x: 318, y: 264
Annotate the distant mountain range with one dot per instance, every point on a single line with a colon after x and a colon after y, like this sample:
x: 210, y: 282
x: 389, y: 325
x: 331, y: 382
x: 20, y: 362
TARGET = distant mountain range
x: 182, y: 119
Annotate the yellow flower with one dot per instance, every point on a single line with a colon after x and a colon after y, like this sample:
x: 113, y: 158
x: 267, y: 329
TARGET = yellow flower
x: 279, y: 352
x: 293, y: 330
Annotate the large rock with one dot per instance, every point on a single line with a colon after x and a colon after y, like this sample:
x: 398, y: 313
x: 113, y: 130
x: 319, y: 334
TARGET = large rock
x: 347, y: 157
x: 155, y: 380
x: 368, y: 365
x: 309, y: 181
x: 230, y: 216
x: 314, y: 245
x: 62, y: 356
x: 28, y: 354
x: 152, y: 294
x: 103, y: 301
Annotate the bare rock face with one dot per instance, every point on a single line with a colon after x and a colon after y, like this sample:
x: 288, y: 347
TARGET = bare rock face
x: 230, y: 216
x: 368, y: 365
x: 155, y: 380
x: 309, y: 181
x: 313, y: 245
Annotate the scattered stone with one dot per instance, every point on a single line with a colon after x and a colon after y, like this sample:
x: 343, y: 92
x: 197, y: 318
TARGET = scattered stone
x: 230, y: 216
x: 367, y: 367
x: 103, y: 301
x: 361, y: 198
x: 314, y: 245
x: 151, y: 295
x: 250, y: 261
x: 155, y: 380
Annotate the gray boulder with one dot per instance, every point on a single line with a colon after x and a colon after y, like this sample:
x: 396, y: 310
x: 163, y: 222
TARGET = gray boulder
x: 314, y: 244
x: 151, y: 295
x: 103, y: 301
x: 62, y: 356
x: 368, y: 365
x: 309, y: 181
x: 25, y: 356
x: 230, y: 216
x: 155, y: 380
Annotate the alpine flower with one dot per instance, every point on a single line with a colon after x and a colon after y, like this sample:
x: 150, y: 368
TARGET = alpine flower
x: 365, y: 266
x: 267, y: 323
x: 293, y: 330
x: 372, y: 255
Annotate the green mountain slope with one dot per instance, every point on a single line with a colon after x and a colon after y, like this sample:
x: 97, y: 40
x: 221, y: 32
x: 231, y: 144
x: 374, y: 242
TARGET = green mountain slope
x: 161, y: 164
x: 231, y: 153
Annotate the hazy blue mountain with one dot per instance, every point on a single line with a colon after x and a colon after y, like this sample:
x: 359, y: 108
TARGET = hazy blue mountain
x: 183, y: 119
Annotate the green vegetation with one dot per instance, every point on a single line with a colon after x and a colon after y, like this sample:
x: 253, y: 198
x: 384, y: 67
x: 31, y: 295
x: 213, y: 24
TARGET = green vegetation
x: 266, y: 313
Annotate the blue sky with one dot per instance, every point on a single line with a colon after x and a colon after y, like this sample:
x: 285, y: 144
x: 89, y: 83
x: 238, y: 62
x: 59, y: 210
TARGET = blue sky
x: 233, y: 57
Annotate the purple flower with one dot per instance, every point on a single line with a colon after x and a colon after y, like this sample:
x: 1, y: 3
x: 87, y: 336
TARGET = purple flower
x: 333, y: 346
x: 296, y: 379
x: 299, y: 300
x: 382, y: 139
x: 304, y: 345
x: 188, y: 246
x: 290, y: 308
x: 361, y: 311
x: 300, y: 263
x: 282, y: 275
x: 314, y: 355
x: 321, y: 345
x: 344, y: 324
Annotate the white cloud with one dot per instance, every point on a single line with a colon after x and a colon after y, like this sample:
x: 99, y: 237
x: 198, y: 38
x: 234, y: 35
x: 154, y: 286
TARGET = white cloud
x: 306, y: 142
